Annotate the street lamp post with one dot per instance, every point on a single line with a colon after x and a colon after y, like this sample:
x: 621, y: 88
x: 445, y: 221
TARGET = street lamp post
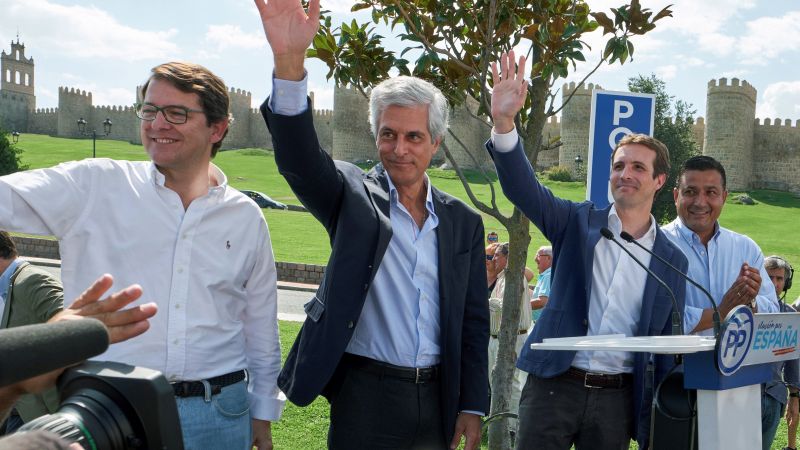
x: 579, y: 169
x: 15, y: 137
x: 106, y: 131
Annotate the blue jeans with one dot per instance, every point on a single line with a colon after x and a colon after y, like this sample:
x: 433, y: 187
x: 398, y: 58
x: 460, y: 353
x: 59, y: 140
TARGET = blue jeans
x: 222, y: 423
x: 771, y: 413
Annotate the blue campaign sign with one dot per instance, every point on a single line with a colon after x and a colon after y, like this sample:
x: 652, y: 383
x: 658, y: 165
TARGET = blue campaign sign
x: 614, y: 114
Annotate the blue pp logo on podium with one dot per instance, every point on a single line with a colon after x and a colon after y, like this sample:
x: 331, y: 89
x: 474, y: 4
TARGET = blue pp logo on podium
x: 734, y: 341
x: 614, y: 114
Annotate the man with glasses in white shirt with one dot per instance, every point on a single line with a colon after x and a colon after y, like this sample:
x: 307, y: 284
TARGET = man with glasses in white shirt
x: 199, y: 249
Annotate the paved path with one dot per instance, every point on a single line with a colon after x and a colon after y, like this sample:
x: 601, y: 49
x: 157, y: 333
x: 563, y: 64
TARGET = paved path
x: 291, y: 296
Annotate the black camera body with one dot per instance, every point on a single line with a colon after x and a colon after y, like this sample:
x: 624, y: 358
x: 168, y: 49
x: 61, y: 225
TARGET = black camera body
x: 110, y: 405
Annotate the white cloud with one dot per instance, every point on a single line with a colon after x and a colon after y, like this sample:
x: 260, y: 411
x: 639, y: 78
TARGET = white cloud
x: 113, y: 96
x: 667, y: 72
x: 86, y: 32
x: 224, y: 37
x: 338, y: 6
x: 770, y: 37
x: 780, y: 100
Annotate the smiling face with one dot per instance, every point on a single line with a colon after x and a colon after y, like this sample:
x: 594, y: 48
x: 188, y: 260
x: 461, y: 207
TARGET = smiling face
x: 404, y: 144
x: 699, y: 198
x: 632, y: 180
x: 178, y: 146
x: 543, y: 261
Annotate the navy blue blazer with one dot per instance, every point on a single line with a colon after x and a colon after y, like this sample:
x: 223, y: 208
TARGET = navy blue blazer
x: 353, y: 206
x: 574, y: 230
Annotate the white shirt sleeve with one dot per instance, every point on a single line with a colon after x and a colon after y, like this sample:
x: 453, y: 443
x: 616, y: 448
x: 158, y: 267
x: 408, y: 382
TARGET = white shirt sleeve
x: 289, y: 97
x: 504, y: 143
x: 262, y: 347
x: 46, y: 201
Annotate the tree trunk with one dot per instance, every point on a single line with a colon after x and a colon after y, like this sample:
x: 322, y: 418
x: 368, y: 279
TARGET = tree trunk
x: 504, y: 373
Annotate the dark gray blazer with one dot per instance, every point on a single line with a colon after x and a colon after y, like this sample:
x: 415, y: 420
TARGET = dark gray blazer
x: 353, y: 206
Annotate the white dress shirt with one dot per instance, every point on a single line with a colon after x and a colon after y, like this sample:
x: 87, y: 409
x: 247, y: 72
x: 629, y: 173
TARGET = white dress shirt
x: 615, y: 304
x: 209, y: 268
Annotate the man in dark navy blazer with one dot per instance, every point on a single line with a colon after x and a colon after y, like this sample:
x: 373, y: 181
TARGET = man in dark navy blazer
x: 396, y: 337
x: 594, y: 400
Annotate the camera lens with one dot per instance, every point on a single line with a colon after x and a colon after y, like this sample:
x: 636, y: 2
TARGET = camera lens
x: 91, y: 419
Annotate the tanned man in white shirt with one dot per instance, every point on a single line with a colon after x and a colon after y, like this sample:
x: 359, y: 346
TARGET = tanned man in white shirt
x: 199, y: 248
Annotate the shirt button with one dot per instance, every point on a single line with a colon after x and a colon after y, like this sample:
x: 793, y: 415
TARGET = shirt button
x: 178, y: 306
x: 366, y: 287
x: 585, y: 322
x: 350, y: 324
x: 175, y: 342
x: 180, y: 269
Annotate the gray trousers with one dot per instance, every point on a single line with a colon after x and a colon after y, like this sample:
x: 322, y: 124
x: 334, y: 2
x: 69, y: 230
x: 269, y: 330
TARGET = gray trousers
x: 555, y: 413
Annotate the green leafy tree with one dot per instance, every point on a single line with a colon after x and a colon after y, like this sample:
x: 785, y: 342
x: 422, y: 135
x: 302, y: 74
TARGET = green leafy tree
x: 673, y: 126
x: 455, y: 43
x: 10, y: 161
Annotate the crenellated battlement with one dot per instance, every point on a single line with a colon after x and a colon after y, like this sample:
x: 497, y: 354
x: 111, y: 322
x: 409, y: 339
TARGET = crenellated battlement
x: 777, y: 123
x: 736, y: 86
x: 584, y: 89
x: 74, y: 93
x: 114, y: 109
x: 239, y: 92
x: 46, y: 111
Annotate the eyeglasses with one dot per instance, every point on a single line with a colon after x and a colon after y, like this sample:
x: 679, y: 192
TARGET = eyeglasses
x: 489, y: 257
x: 174, y: 114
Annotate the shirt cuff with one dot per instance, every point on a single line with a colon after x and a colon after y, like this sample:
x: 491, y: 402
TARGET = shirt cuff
x: 504, y: 143
x: 289, y: 97
x: 477, y: 413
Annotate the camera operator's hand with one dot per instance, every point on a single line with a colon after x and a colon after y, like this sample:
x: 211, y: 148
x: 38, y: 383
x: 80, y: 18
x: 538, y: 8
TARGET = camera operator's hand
x: 122, y: 324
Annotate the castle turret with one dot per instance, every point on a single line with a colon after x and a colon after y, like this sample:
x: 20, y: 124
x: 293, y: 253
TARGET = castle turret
x: 575, y: 119
x: 730, y: 121
x: 239, y: 131
x: 73, y: 105
x: 352, y: 138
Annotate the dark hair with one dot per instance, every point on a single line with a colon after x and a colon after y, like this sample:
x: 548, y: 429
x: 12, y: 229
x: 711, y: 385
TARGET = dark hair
x: 196, y: 79
x: 661, y: 163
x: 703, y: 163
x: 7, y: 248
x: 503, y: 248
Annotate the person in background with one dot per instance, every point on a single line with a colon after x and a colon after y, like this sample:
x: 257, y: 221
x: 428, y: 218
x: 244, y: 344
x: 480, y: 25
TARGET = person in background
x: 544, y: 261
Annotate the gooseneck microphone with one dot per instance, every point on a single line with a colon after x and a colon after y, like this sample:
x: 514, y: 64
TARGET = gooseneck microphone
x: 715, y: 316
x: 32, y: 350
x: 677, y: 323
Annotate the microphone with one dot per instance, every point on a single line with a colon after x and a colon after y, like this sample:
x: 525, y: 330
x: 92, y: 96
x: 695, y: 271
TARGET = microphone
x: 715, y: 316
x: 677, y: 323
x: 32, y: 350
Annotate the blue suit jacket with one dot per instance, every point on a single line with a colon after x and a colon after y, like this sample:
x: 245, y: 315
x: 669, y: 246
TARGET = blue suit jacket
x: 574, y: 230
x: 353, y: 206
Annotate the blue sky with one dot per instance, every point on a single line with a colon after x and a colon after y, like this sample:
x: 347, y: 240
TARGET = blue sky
x: 108, y: 47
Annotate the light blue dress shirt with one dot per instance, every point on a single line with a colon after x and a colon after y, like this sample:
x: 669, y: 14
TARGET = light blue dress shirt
x: 400, y: 321
x: 5, y: 279
x: 542, y: 289
x: 716, y: 268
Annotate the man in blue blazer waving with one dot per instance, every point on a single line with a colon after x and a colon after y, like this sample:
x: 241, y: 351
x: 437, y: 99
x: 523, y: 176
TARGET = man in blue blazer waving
x: 591, y: 399
x: 396, y: 337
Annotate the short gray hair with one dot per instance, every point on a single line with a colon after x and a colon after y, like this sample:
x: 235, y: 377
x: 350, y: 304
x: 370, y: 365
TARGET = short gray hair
x: 545, y: 250
x: 776, y: 262
x: 408, y: 91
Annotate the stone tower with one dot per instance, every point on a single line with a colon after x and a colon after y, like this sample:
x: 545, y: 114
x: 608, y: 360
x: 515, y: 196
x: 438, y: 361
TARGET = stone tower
x: 352, y: 138
x: 575, y: 125
x: 74, y: 104
x: 730, y: 122
x: 472, y: 132
x: 16, y: 85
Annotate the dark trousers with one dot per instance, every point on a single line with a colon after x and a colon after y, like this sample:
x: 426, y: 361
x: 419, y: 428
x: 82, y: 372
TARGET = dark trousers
x: 12, y: 424
x: 370, y: 411
x: 555, y: 413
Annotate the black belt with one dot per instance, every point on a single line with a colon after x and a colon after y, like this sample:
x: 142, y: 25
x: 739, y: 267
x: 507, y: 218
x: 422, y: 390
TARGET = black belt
x: 520, y: 333
x: 197, y: 388
x: 599, y: 380
x: 417, y: 375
